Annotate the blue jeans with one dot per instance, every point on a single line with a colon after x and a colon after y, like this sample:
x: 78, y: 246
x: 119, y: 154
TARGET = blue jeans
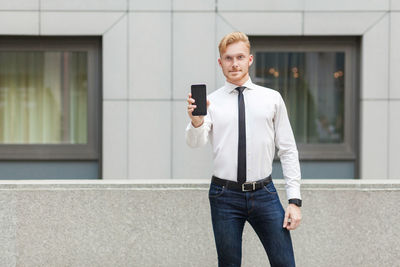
x: 263, y: 210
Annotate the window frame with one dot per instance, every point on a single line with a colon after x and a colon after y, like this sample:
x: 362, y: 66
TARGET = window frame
x: 88, y: 151
x: 350, y: 46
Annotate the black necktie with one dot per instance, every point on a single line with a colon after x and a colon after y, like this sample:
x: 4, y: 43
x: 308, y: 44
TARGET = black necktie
x: 241, y: 172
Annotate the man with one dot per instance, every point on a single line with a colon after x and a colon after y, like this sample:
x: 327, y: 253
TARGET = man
x: 244, y: 123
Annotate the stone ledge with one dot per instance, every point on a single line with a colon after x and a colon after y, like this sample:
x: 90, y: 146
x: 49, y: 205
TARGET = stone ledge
x: 168, y: 223
x: 190, y: 184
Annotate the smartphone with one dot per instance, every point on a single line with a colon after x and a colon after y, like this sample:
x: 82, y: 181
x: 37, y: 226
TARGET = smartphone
x: 199, y: 94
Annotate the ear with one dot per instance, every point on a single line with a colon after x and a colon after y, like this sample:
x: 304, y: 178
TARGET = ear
x: 250, y: 60
x: 219, y: 62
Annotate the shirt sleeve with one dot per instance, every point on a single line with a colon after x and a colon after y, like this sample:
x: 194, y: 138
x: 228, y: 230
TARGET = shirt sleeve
x: 287, y: 151
x: 198, y: 137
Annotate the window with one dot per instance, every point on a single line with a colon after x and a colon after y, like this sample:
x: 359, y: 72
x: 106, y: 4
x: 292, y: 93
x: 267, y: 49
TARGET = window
x: 49, y: 98
x: 317, y: 80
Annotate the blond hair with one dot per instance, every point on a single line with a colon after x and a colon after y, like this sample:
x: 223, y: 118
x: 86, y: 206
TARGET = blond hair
x: 231, y: 38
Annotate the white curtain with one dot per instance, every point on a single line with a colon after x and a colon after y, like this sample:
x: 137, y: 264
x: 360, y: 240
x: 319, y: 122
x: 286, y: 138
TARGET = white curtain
x: 43, y: 97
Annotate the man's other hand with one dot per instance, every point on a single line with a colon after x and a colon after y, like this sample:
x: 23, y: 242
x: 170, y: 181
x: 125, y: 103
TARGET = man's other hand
x: 294, y: 214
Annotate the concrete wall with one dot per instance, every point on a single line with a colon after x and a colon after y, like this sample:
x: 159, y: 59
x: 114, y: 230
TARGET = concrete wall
x: 136, y: 223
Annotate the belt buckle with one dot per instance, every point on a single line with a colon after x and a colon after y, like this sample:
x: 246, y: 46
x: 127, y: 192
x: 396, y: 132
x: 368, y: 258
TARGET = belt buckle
x: 246, y: 190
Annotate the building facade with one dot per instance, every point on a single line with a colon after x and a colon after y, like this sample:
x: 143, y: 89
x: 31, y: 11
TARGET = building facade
x: 121, y: 70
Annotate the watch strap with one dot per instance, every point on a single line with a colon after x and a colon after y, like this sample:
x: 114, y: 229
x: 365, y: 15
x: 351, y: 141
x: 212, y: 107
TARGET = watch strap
x: 295, y: 201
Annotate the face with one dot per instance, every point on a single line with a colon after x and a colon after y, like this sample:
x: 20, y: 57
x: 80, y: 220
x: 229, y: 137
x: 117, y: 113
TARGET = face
x: 235, y: 63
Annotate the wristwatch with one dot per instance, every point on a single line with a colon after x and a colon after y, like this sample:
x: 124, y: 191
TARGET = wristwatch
x: 295, y: 201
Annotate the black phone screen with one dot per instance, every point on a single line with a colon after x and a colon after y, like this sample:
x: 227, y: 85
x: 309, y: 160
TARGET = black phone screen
x: 199, y: 94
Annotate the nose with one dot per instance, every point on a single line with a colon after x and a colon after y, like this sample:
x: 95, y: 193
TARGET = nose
x: 235, y: 63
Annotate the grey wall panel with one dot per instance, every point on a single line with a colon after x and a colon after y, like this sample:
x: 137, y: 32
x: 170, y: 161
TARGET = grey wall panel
x: 320, y: 170
x: 30, y: 170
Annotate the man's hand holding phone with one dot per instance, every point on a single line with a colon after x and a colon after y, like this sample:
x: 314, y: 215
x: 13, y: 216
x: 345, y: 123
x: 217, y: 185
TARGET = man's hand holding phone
x: 197, y: 121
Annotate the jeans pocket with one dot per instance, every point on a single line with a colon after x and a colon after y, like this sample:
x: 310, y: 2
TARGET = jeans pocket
x: 215, y: 191
x: 270, y: 188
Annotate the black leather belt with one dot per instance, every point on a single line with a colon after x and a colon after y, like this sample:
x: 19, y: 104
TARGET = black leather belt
x: 248, y: 186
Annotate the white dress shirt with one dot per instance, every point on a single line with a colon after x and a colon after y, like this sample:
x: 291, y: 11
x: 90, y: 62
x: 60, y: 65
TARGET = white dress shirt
x: 267, y: 126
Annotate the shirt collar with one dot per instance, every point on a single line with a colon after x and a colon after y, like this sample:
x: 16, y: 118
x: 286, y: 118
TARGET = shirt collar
x: 230, y: 87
